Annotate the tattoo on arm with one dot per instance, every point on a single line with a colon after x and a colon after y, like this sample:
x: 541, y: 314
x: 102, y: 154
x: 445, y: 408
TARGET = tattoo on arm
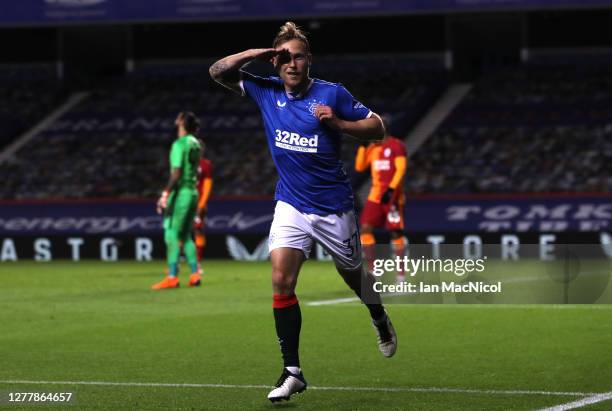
x: 218, y: 69
x: 225, y: 75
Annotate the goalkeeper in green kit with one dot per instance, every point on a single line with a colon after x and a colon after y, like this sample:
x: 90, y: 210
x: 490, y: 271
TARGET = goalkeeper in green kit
x: 179, y: 201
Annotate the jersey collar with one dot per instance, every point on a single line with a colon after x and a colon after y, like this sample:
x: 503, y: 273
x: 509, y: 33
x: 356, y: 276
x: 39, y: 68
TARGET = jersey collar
x: 296, y: 96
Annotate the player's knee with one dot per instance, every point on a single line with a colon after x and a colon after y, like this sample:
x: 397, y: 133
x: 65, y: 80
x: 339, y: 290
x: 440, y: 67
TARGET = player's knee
x: 349, y: 271
x: 171, y: 236
x: 367, y: 239
x: 200, y: 240
x: 188, y: 242
x: 283, y: 281
x: 397, y: 235
x: 286, y: 264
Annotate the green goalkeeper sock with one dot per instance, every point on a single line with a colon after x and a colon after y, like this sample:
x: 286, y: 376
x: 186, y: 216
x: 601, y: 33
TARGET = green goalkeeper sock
x: 191, y: 254
x: 173, y: 251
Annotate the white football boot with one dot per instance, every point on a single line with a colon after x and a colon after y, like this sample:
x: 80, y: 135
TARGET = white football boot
x: 287, y: 385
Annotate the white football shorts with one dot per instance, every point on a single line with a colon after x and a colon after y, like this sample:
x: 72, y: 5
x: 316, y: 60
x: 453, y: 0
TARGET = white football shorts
x: 338, y: 234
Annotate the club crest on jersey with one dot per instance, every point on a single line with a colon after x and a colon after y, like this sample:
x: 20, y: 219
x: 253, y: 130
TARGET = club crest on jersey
x: 313, y: 104
x: 294, y: 142
x: 387, y: 152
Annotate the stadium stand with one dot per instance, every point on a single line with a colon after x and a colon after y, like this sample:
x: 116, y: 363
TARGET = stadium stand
x: 27, y: 93
x: 115, y: 143
x: 542, y: 127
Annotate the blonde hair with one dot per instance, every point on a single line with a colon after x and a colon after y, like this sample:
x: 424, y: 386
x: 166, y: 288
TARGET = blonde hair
x: 290, y: 31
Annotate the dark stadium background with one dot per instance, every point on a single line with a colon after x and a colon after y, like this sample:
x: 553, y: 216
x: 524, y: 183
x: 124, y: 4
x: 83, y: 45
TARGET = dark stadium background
x: 539, y: 104
x: 506, y: 110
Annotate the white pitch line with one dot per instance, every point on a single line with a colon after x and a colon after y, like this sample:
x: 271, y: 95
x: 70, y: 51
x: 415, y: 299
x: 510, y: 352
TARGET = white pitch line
x: 369, y: 389
x: 456, y: 305
x: 334, y: 301
x: 581, y: 403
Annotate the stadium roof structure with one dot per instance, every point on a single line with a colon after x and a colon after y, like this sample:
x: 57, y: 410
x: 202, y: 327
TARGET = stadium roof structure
x: 62, y: 12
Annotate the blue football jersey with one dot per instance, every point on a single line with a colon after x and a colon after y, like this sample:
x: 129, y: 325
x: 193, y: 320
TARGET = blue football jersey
x: 305, y: 151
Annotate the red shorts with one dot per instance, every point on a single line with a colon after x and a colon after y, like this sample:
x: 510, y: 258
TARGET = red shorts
x: 377, y: 214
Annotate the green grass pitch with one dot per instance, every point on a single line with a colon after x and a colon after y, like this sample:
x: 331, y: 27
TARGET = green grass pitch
x: 78, y: 325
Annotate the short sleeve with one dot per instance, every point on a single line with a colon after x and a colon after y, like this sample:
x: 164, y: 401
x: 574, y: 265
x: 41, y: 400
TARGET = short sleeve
x: 254, y: 86
x: 176, y: 155
x: 400, y: 149
x: 348, y: 107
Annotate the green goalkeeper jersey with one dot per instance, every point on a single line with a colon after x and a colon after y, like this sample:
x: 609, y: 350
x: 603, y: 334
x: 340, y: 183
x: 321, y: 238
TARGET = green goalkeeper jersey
x: 185, y: 154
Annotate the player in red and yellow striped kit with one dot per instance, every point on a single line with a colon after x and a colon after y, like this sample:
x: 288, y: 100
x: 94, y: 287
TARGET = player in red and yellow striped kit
x: 204, y: 186
x: 385, y: 205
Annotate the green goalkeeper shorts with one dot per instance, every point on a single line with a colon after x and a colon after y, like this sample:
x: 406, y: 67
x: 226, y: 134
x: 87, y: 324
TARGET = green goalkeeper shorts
x: 181, y: 211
